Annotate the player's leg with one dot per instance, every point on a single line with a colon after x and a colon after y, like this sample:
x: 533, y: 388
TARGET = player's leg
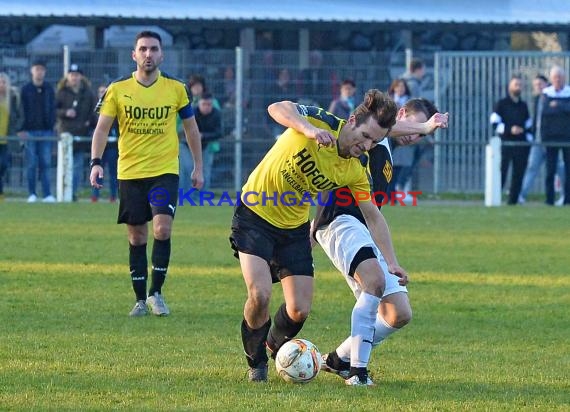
x: 138, y: 265
x: 291, y: 315
x: 135, y: 211
x: 293, y: 260
x: 163, y: 209
x: 350, y: 247
x: 253, y: 244
x: 256, y: 320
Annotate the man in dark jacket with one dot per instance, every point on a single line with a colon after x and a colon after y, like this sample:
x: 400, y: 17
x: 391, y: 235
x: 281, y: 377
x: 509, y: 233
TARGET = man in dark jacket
x: 75, y: 103
x: 555, y: 128
x: 38, y: 106
x: 209, y: 121
x: 512, y: 122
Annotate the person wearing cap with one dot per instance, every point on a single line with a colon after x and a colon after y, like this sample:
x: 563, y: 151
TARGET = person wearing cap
x: 37, y: 133
x: 75, y: 104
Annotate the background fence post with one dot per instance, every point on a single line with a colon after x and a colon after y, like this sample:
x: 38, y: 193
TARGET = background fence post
x: 65, y: 168
x: 493, y: 172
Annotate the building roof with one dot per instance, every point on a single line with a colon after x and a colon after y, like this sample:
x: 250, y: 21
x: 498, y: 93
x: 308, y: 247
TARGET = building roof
x: 512, y: 12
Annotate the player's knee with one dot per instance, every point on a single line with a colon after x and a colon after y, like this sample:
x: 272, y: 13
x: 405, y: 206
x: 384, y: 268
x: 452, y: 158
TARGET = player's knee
x: 259, y: 298
x: 298, y: 314
x: 403, y: 317
x: 162, y: 231
x: 375, y: 286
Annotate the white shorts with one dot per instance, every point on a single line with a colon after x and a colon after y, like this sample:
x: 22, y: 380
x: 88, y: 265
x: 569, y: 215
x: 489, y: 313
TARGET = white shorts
x: 342, y: 239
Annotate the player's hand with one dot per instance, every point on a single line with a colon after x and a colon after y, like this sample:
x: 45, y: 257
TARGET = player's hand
x: 323, y: 137
x: 197, y: 179
x: 400, y: 272
x: 409, y: 140
x: 312, y: 234
x: 96, y: 177
x: 437, y: 121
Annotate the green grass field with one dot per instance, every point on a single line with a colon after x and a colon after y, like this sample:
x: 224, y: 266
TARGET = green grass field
x: 490, y: 290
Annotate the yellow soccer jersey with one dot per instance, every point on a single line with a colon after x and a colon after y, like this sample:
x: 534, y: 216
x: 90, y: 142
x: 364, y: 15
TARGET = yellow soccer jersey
x: 148, y: 141
x: 295, y: 169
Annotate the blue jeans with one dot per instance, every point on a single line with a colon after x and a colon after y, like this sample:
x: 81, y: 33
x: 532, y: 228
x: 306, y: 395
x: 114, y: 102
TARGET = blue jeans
x: 4, y: 159
x: 109, y: 160
x: 536, y: 159
x: 38, y: 161
x: 78, y: 167
x: 187, y: 165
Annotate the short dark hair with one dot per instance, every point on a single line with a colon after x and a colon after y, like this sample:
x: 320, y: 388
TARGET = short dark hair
x: 415, y: 64
x: 348, y: 82
x: 541, y: 77
x: 378, y: 105
x: 148, y: 33
x: 197, y: 78
x: 206, y: 96
x: 421, y: 105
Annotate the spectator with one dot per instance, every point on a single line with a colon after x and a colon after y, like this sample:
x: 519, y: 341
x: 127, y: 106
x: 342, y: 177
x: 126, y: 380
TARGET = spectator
x: 314, y: 80
x: 109, y: 158
x: 402, y: 156
x: 10, y: 122
x: 197, y: 86
x: 38, y: 106
x: 280, y: 89
x: 555, y: 128
x: 75, y: 102
x: 399, y: 92
x: 209, y: 120
x: 512, y: 123
x: 414, y: 77
x: 344, y: 105
x: 537, y: 151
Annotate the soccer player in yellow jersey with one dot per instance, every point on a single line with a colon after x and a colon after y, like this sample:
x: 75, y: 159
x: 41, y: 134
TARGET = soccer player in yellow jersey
x: 146, y: 105
x: 270, y: 228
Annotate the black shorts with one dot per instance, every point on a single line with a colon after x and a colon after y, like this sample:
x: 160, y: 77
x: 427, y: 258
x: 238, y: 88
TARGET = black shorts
x: 287, y: 251
x: 141, y: 199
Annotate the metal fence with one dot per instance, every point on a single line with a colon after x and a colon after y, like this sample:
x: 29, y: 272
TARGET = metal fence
x: 468, y: 85
x: 464, y: 84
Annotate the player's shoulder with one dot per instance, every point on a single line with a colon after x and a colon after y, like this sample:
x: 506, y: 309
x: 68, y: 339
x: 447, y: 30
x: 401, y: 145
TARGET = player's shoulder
x: 168, y: 77
x: 120, y: 80
x: 320, y: 114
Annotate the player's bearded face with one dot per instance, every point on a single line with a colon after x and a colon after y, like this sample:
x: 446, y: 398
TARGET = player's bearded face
x: 361, y: 138
x: 148, y: 54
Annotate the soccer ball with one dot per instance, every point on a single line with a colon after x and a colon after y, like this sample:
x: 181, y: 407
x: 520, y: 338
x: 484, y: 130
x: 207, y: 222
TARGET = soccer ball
x: 298, y: 361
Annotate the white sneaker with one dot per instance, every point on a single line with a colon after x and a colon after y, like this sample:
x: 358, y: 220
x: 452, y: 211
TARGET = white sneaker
x: 560, y: 201
x: 139, y: 309
x: 49, y: 199
x: 363, y: 380
x: 32, y: 198
x: 157, y: 305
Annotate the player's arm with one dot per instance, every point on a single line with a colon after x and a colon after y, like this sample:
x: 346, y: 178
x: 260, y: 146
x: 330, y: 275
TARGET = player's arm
x: 318, y: 213
x: 407, y: 127
x: 194, y: 141
x: 98, y: 144
x: 380, y: 232
x: 287, y: 114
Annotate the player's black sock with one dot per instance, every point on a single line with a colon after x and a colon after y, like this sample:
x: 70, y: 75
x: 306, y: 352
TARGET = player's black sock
x: 283, y: 330
x: 337, y: 363
x: 254, y: 343
x: 139, y: 269
x: 160, y: 259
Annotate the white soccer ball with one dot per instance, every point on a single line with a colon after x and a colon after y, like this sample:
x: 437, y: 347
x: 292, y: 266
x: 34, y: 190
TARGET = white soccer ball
x: 298, y: 361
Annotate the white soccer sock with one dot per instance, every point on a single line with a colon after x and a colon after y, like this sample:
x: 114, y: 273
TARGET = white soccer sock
x: 362, y: 329
x: 343, y: 350
x: 382, y: 330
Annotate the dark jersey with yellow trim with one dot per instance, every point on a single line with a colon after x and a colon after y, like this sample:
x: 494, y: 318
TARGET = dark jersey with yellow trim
x: 148, y: 143
x: 296, y: 169
x: 380, y: 170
